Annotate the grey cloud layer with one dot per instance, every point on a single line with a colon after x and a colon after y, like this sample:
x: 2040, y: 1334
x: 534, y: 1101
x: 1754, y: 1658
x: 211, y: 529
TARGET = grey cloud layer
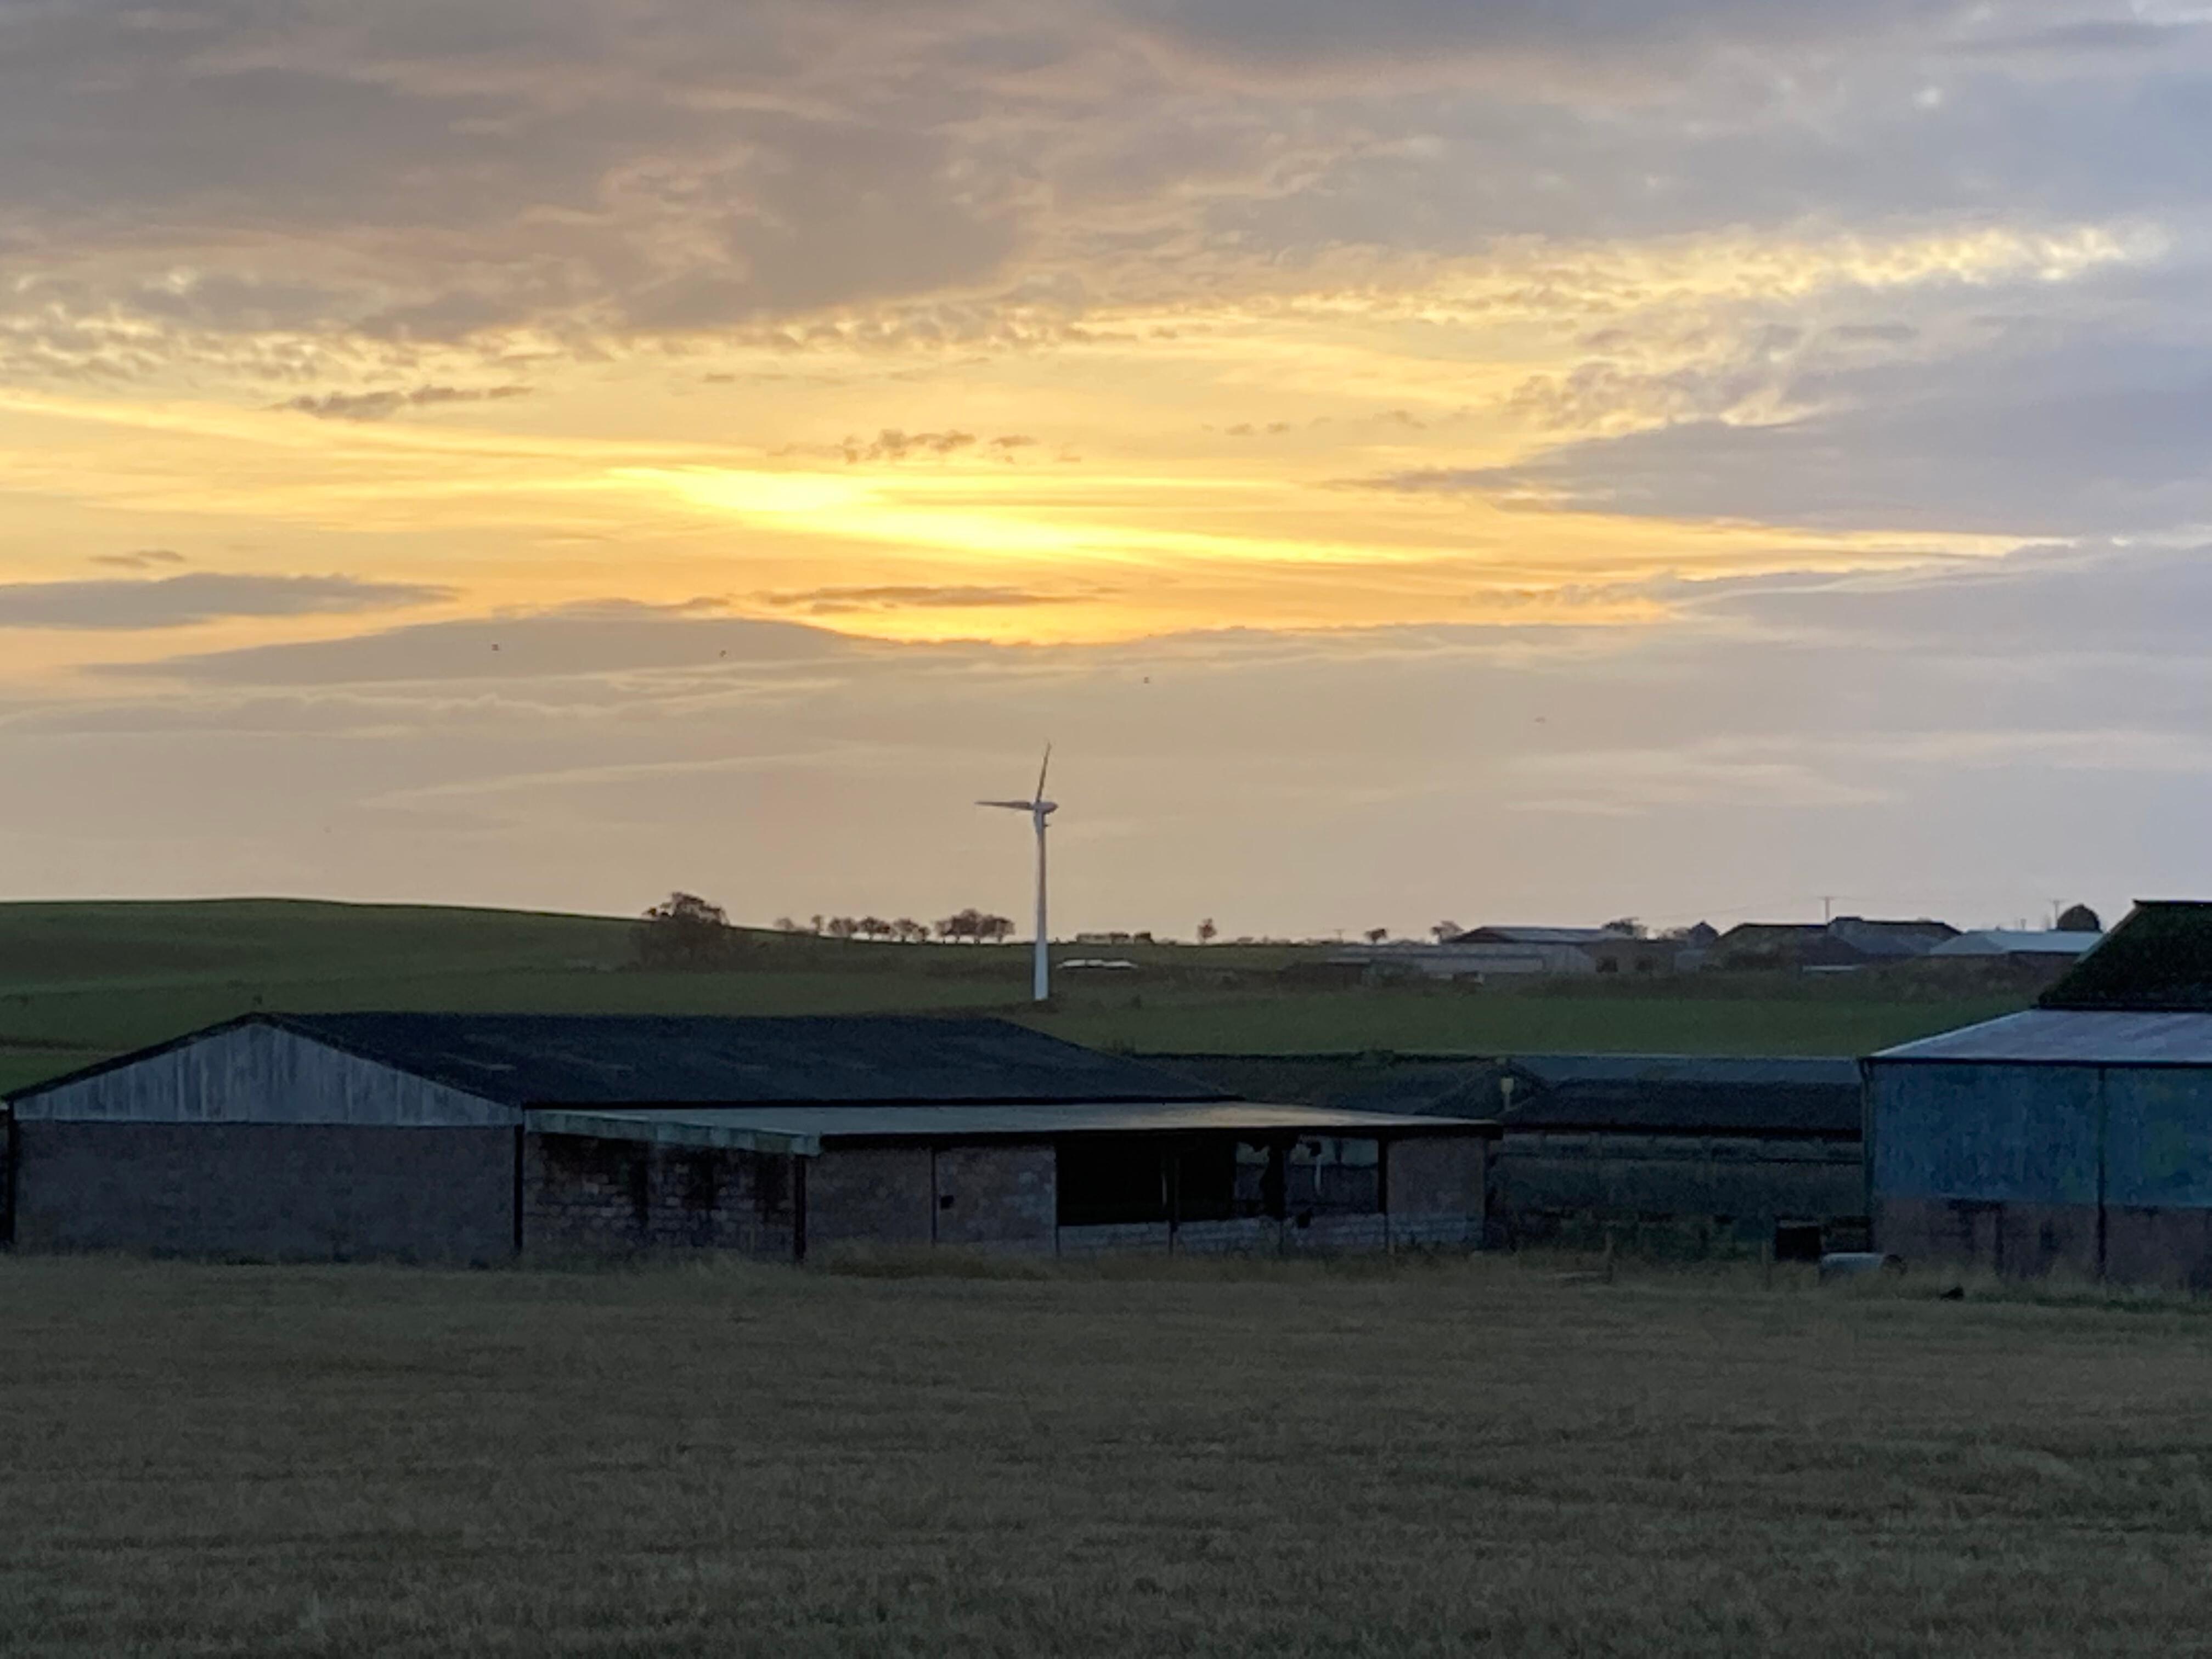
x: 418, y: 172
x: 205, y: 596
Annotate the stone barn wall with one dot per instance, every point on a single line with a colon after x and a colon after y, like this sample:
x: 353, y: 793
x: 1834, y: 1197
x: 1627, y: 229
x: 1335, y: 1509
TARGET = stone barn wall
x: 267, y: 1191
x: 584, y: 1194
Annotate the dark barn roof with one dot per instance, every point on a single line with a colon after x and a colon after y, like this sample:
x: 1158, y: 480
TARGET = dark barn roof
x: 636, y: 1060
x: 1629, y: 1094
x: 2157, y: 961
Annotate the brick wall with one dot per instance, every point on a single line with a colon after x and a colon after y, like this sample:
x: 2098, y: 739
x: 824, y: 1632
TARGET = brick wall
x: 997, y: 1196
x: 875, y: 1195
x: 584, y: 1193
x: 267, y: 1191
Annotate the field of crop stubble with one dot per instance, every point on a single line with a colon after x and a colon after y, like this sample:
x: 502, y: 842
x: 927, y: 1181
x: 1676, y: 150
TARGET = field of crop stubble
x: 1426, y: 1459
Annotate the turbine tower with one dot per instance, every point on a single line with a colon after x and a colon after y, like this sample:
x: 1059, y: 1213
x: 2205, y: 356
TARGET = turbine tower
x: 1039, y: 809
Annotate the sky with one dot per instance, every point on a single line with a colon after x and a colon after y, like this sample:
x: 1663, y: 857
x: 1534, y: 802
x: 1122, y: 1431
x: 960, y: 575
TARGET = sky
x: 1539, y: 462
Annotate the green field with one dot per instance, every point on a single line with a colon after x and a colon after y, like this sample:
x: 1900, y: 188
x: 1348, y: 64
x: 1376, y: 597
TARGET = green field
x: 1493, y: 1455
x: 79, y: 983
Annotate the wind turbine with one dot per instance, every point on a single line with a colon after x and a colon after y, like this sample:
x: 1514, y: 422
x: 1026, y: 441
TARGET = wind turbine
x: 1039, y: 809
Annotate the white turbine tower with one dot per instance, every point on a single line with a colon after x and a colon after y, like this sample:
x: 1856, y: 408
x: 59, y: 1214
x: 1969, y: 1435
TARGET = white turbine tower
x: 1039, y: 809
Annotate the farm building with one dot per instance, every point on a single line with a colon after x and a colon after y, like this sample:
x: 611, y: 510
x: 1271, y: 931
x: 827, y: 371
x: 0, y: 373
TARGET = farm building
x: 1481, y: 952
x: 1839, y: 945
x: 1755, y: 1150
x: 2075, y: 1135
x: 1760, y: 1151
x: 478, y: 1137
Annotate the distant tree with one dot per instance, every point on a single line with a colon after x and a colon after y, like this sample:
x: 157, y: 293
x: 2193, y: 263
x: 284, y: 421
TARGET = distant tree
x: 971, y: 924
x: 842, y: 928
x: 2079, y: 918
x: 1443, y: 931
x: 685, y: 931
x: 1377, y: 935
x: 997, y: 929
x: 1207, y: 933
x: 786, y: 924
x: 1626, y: 927
x: 817, y: 923
x: 909, y: 931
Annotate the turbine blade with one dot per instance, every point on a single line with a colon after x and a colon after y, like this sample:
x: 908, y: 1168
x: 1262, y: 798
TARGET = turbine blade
x: 1016, y: 806
x: 1043, y: 769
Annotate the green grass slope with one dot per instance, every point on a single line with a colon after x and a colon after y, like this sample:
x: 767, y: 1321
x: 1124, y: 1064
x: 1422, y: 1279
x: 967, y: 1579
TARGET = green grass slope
x: 82, y: 981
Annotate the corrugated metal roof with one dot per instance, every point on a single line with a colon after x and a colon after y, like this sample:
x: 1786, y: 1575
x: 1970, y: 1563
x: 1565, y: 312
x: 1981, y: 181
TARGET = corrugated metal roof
x: 2066, y: 1036
x: 607, y: 1060
x: 1688, y: 1095
x: 2011, y: 942
x: 805, y: 1130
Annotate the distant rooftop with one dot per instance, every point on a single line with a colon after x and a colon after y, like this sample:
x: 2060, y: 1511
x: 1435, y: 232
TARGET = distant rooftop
x: 2011, y: 942
x: 2158, y: 959
x: 1537, y: 936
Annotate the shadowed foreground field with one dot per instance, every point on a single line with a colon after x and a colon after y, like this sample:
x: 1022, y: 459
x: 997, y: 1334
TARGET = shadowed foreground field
x: 1427, y: 1460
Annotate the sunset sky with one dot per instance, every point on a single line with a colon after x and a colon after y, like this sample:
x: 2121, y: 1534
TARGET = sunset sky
x: 1518, y: 462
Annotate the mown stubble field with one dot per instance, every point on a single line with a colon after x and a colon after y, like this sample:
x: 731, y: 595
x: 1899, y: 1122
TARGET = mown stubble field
x: 1493, y: 1455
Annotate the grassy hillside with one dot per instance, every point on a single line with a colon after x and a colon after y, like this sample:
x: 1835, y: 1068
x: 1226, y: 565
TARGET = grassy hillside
x: 79, y: 983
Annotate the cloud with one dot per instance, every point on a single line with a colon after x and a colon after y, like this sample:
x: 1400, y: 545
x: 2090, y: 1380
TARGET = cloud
x: 201, y: 597
x: 892, y: 445
x: 145, y: 558
x: 838, y: 601
x: 382, y: 405
x: 607, y: 637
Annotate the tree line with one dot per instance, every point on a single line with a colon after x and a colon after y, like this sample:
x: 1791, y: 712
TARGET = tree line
x: 978, y: 927
x: 686, y: 931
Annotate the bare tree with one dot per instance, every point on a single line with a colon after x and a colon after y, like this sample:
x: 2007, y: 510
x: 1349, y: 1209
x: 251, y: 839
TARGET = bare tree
x: 1444, y: 931
x: 1207, y: 933
x: 1377, y: 935
x: 1626, y: 927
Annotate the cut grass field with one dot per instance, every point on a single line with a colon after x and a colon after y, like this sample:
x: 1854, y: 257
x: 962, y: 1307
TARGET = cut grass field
x: 81, y: 983
x: 1487, y: 1456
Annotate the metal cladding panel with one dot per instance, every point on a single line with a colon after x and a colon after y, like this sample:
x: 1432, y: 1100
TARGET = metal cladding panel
x: 1993, y: 1133
x: 2158, y: 1145
x: 256, y: 1073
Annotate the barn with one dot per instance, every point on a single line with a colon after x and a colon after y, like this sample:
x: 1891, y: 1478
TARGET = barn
x: 481, y: 1137
x: 1672, y: 1151
x: 1687, y: 1151
x: 2075, y: 1136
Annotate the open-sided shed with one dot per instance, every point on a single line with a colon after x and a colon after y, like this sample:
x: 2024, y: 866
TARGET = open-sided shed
x: 476, y: 1137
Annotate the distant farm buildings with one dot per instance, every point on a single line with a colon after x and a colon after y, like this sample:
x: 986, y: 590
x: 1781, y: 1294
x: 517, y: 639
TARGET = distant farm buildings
x: 1845, y: 943
x: 1481, y: 952
x: 2076, y: 1135
x: 476, y: 1137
